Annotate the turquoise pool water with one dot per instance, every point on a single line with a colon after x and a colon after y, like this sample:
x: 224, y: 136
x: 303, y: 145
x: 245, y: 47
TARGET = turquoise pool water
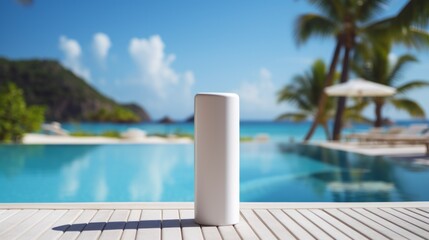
x: 269, y: 172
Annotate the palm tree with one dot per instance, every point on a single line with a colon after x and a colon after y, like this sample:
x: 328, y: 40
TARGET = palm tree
x: 304, y: 93
x: 380, y: 70
x: 350, y: 23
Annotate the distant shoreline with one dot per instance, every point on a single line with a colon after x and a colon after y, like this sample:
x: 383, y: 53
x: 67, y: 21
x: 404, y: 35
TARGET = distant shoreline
x: 34, y: 138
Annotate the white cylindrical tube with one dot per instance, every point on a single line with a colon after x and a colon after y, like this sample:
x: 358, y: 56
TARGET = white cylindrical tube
x: 217, y: 158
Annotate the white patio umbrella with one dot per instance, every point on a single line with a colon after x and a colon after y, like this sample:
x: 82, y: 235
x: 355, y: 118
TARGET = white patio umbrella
x: 360, y: 88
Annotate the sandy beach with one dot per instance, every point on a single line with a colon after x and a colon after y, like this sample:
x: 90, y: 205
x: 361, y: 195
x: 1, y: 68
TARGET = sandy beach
x: 33, y: 138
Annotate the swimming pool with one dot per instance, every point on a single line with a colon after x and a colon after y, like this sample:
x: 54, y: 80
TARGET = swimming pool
x: 270, y: 172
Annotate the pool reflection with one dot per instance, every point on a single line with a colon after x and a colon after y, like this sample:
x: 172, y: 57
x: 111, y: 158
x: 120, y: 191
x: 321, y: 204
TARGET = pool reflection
x: 269, y: 172
x: 363, y: 178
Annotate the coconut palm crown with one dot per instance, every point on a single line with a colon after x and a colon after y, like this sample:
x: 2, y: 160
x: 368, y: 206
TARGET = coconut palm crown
x: 379, y: 69
x: 304, y: 93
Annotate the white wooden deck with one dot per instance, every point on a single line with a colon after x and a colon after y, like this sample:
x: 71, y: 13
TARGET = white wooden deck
x: 406, y: 220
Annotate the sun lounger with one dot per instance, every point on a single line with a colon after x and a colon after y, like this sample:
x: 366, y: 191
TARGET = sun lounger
x: 415, y: 139
x: 412, y: 131
x: 374, y: 133
x: 363, y: 135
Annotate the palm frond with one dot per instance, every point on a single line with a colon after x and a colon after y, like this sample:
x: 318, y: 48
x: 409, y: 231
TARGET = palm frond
x: 388, y: 30
x: 293, y: 116
x: 359, y: 105
x: 295, y: 94
x: 363, y: 51
x: 305, y: 90
x: 356, y: 117
x: 369, y: 8
x: 399, y: 66
x: 333, y: 9
x: 374, y: 68
x: 415, y: 12
x: 310, y: 25
x: 360, y: 67
x: 354, y: 112
x: 375, y: 36
x: 412, y: 85
x: 287, y: 93
x: 411, y: 37
x: 380, y: 67
x: 409, y: 106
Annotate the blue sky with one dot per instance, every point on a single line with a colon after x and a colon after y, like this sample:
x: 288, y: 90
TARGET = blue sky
x: 160, y: 53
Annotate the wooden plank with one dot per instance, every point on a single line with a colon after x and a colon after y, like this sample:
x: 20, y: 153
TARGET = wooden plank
x: 93, y: 229
x: 392, y: 226
x: 16, y: 219
x: 372, y: 224
x: 228, y: 232
x: 171, y: 225
x: 360, y: 227
x: 338, y: 224
x: 412, y: 214
x: 25, y: 225
x: 307, y: 224
x: 277, y: 228
x: 426, y: 210
x: 296, y: 229
x: 57, y: 229
x: 418, y: 211
x: 190, y: 229
x: 8, y: 213
x: 130, y: 229
x: 407, y: 218
x: 81, y: 222
x: 244, y: 230
x: 322, y: 224
x: 150, y: 225
x: 257, y: 225
x: 399, y: 222
x: 42, y: 225
x: 115, y: 226
x: 392, y: 223
x: 213, y: 233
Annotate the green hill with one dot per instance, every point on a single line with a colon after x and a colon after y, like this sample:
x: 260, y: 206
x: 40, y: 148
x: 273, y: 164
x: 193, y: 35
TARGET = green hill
x: 66, y: 96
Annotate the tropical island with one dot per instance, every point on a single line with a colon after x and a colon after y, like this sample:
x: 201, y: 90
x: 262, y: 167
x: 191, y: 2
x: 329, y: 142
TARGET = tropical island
x: 65, y: 96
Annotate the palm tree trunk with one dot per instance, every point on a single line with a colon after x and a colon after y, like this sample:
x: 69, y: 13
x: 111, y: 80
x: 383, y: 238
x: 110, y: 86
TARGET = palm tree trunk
x: 326, y: 128
x: 341, y: 103
x: 323, y: 97
x: 378, y: 114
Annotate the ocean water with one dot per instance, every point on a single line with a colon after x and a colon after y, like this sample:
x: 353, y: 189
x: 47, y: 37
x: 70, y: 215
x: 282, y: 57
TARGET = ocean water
x: 277, y: 131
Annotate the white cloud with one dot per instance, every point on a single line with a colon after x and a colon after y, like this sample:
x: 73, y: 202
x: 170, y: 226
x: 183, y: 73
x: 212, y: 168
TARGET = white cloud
x: 165, y: 88
x: 260, y: 92
x: 72, y: 57
x: 189, y: 80
x: 101, y: 45
x: 154, y: 65
x: 258, y: 98
x: 392, y: 58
